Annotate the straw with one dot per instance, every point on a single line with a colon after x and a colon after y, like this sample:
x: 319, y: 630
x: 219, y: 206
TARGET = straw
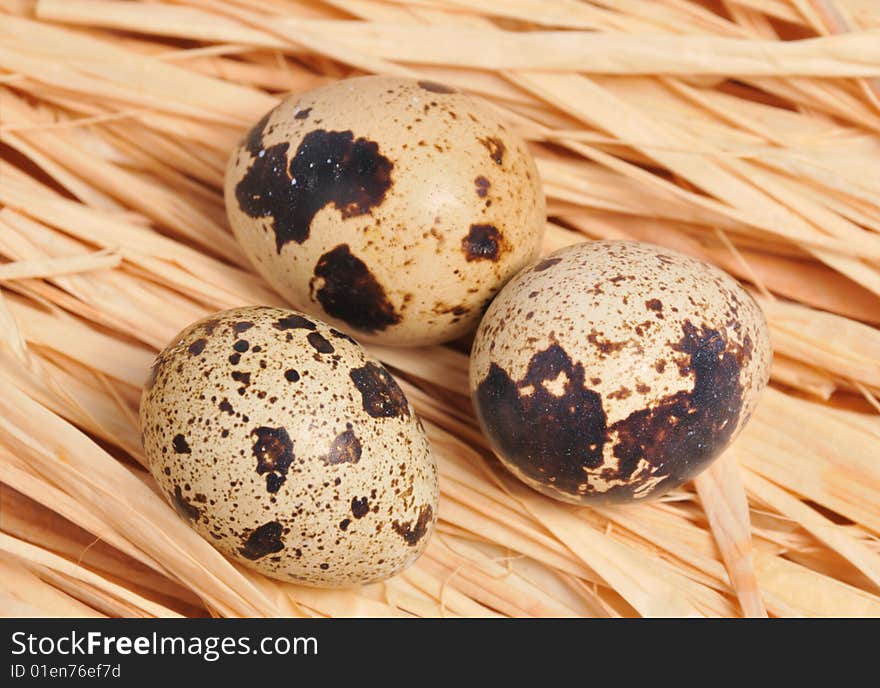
x: 744, y: 132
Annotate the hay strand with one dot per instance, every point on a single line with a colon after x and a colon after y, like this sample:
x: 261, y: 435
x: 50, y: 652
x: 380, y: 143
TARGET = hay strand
x: 743, y: 132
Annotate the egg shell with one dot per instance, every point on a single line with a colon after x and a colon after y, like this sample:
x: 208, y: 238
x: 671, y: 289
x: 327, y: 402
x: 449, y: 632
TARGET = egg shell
x: 288, y: 448
x: 614, y: 371
x: 393, y: 208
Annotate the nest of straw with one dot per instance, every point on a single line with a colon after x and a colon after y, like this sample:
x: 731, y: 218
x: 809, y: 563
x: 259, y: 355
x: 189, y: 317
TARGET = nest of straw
x: 744, y: 132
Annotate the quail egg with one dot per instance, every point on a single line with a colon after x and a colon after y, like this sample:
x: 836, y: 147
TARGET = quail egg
x: 615, y: 371
x: 288, y: 448
x: 393, y: 208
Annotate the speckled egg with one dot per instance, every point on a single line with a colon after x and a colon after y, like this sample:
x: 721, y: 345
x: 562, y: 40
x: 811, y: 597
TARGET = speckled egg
x: 288, y: 448
x: 393, y: 208
x: 615, y: 371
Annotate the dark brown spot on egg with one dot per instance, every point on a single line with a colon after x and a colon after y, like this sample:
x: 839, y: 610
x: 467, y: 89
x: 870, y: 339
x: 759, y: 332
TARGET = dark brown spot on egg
x: 546, y: 264
x: 303, y: 114
x: 604, y: 346
x: 643, y: 327
x: 320, y: 344
x: 360, y: 507
x: 349, y: 291
x: 434, y: 87
x: 483, y: 242
x: 346, y: 448
x: 557, y: 440
x: 746, y: 350
x: 550, y: 437
x: 197, y: 346
x: 226, y: 407
x: 241, y: 346
x: 410, y: 533
x: 654, y: 305
x: 380, y: 393
x: 495, y: 147
x: 263, y: 541
x: 273, y: 451
x: 294, y: 322
x: 210, y: 325
x: 253, y: 141
x: 243, y: 378
x: 180, y: 445
x: 342, y: 335
x: 482, y: 184
x: 686, y: 430
x: 291, y: 375
x: 328, y: 167
x: 441, y: 308
x: 183, y: 508
x: 242, y: 326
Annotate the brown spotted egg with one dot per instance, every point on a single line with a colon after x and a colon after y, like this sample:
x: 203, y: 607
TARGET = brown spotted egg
x: 614, y: 371
x: 288, y: 448
x: 393, y: 208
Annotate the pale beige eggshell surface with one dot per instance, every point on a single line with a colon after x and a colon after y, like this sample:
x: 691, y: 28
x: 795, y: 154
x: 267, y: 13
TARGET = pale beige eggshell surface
x: 614, y: 371
x: 393, y: 208
x: 289, y: 449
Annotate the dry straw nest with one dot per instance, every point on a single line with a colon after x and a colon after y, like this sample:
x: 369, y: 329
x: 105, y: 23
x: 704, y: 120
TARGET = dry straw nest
x: 745, y: 132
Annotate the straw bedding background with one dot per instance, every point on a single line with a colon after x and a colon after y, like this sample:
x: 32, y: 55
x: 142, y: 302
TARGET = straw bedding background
x: 745, y: 132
